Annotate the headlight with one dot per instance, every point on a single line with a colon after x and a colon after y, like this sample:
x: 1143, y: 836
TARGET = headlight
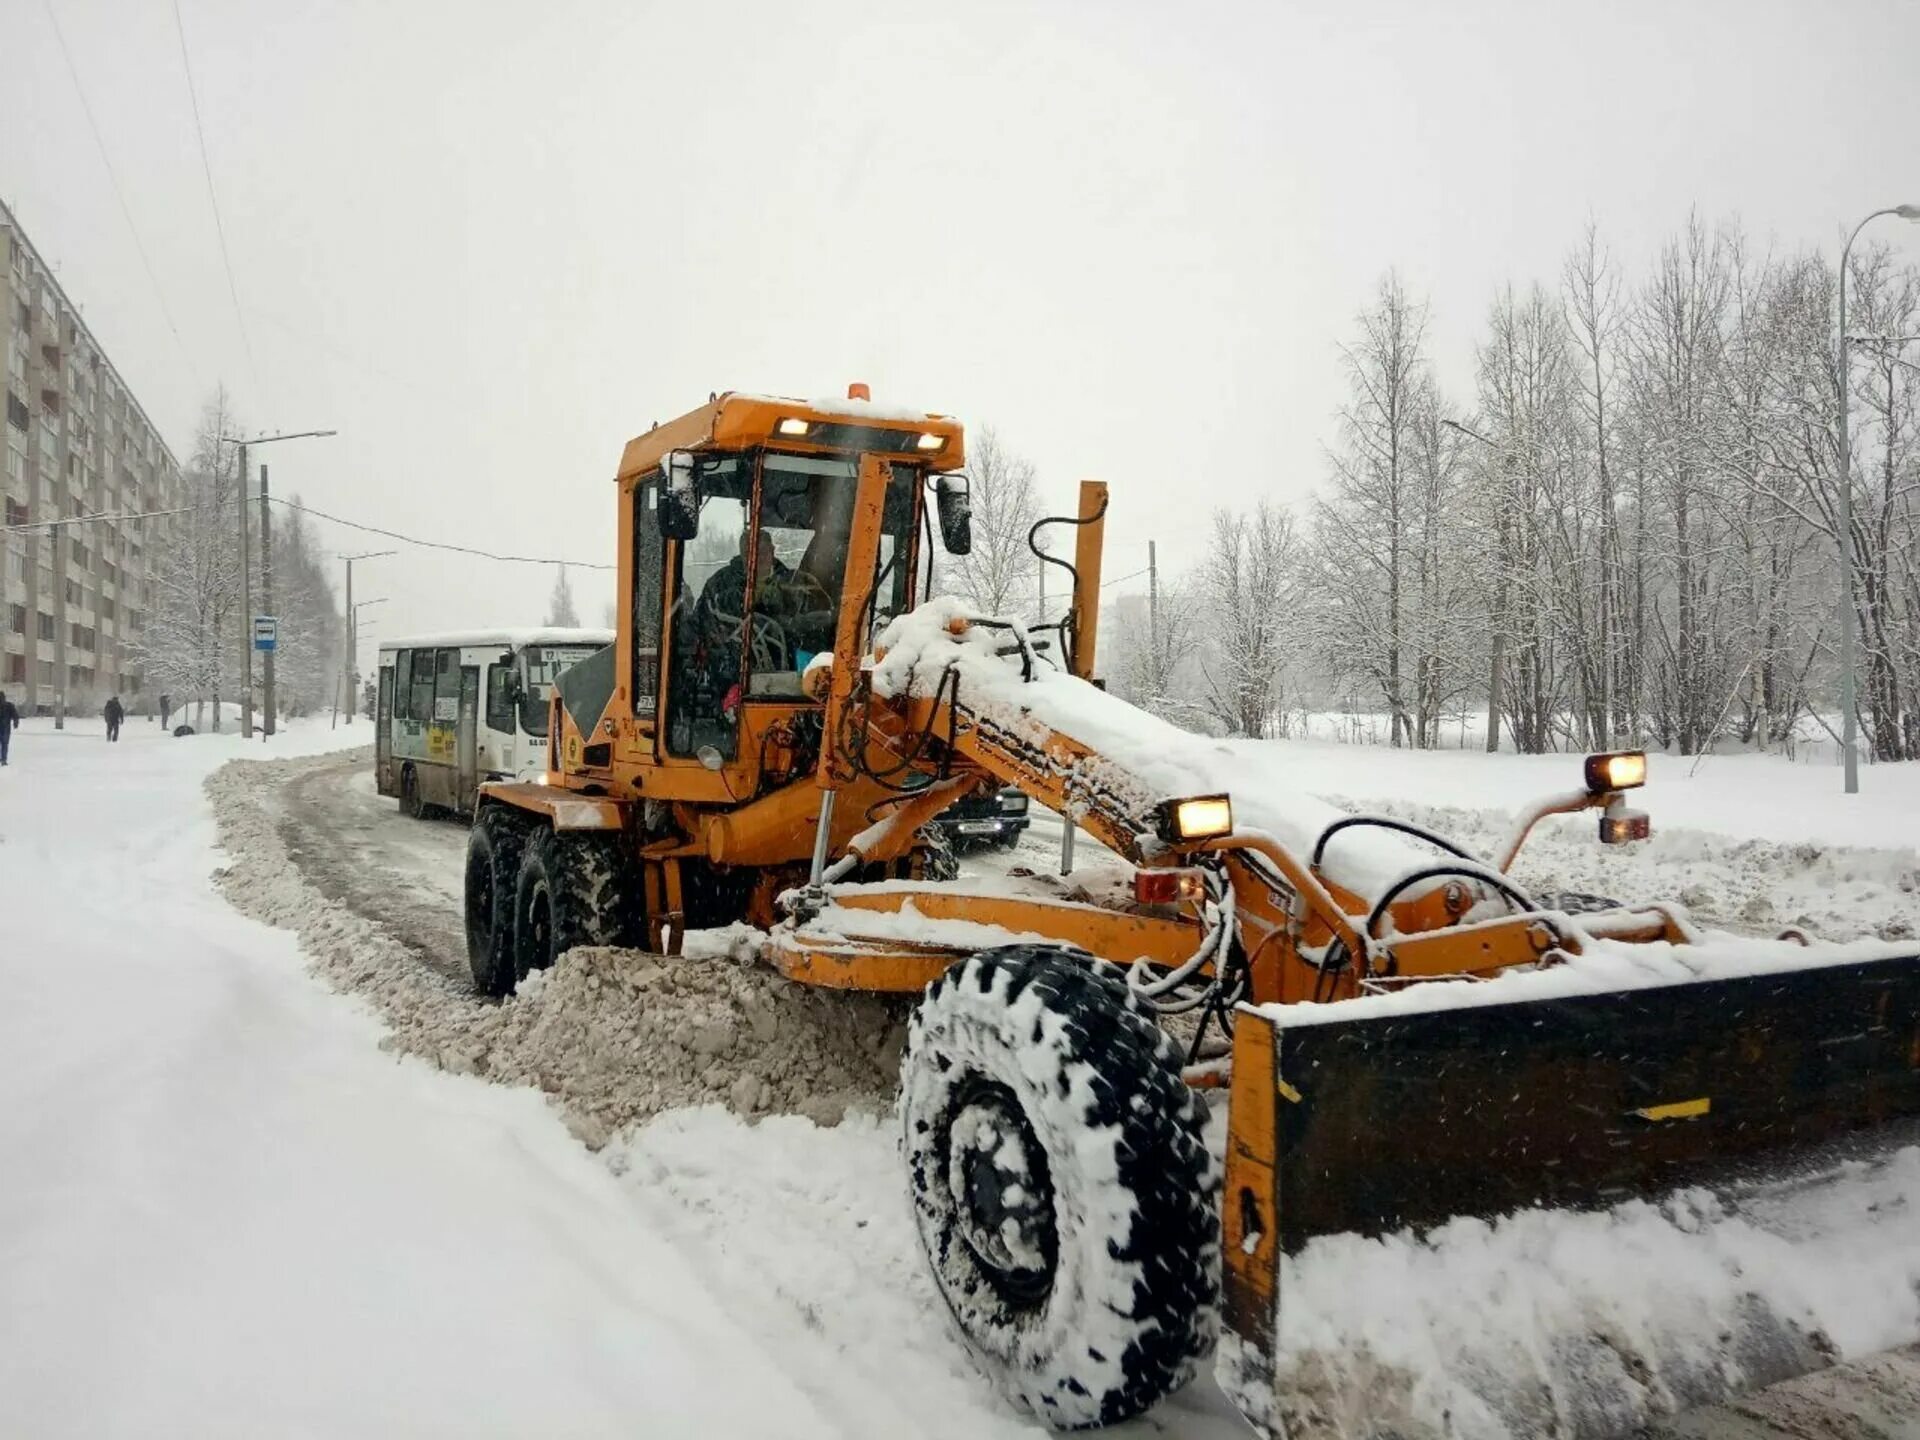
x: 930, y: 442
x: 794, y: 425
x: 1013, y: 802
x: 1204, y: 817
x: 1621, y: 770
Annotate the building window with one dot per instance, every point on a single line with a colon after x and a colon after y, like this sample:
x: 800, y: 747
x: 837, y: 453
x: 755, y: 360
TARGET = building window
x: 16, y: 669
x: 16, y: 411
x: 17, y: 619
x: 46, y: 624
x: 73, y: 592
x: 46, y: 672
x: 16, y: 513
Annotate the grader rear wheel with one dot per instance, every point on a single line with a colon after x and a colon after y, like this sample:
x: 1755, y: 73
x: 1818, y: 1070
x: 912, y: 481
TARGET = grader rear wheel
x: 494, y: 847
x: 1063, y: 1187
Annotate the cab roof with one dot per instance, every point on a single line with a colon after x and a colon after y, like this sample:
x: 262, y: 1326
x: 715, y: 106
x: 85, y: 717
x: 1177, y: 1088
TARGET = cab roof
x: 737, y: 420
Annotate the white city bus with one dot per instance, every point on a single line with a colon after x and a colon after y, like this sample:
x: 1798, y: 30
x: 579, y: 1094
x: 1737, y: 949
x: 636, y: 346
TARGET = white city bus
x: 455, y: 710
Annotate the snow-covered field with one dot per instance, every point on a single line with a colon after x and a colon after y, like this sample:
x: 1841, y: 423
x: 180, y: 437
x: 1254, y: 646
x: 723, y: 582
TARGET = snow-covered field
x: 238, y: 1204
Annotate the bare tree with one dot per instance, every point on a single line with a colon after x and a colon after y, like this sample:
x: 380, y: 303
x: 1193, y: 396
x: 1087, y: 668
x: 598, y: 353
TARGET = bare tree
x: 1249, y: 595
x: 1001, y: 571
x: 561, y: 614
x: 1387, y: 562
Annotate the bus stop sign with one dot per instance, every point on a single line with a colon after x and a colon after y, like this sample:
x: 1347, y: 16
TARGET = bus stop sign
x: 266, y: 632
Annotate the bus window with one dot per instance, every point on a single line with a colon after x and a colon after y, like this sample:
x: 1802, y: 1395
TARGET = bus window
x: 446, y: 687
x: 500, y: 695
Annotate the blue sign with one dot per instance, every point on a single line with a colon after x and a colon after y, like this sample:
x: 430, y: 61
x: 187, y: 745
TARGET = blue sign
x: 266, y: 632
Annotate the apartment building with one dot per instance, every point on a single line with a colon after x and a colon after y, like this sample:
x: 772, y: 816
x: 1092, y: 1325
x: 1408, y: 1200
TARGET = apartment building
x: 77, y: 445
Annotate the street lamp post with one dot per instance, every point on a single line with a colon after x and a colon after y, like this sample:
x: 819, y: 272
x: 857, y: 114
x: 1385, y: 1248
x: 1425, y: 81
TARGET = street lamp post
x: 266, y: 576
x: 348, y: 672
x: 1847, y: 695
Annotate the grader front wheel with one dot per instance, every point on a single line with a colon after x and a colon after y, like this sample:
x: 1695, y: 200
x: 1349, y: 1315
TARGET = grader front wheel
x: 1062, y: 1184
x: 573, y: 889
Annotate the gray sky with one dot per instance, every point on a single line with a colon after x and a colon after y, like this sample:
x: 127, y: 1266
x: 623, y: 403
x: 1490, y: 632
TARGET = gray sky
x: 489, y: 242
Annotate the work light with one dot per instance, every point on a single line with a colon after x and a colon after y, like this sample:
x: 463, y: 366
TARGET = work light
x: 1203, y: 817
x: 794, y: 425
x: 931, y: 442
x: 1620, y: 770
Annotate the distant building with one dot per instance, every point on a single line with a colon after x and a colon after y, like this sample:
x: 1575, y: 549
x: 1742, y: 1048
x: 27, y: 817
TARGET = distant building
x: 77, y: 443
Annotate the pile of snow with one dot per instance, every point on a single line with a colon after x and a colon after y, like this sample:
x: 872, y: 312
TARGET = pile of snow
x: 1733, y: 881
x: 613, y: 1036
x: 1574, y: 1324
x: 1138, y: 759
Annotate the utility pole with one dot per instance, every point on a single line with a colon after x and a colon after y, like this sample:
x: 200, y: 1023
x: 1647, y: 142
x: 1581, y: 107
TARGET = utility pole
x: 266, y: 601
x: 347, y: 672
x: 246, y: 610
x: 246, y: 578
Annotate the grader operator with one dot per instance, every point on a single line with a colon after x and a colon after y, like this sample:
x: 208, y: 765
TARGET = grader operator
x: 1403, y: 1033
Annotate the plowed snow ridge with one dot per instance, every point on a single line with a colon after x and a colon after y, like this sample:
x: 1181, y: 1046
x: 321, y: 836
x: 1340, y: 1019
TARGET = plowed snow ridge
x: 613, y: 1036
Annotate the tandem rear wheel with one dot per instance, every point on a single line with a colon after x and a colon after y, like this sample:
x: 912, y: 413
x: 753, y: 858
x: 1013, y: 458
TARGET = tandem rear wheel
x: 1062, y: 1183
x: 533, y: 893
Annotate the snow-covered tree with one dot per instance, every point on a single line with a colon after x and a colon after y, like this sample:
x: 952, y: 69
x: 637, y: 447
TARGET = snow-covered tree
x: 1249, y: 590
x: 999, y: 575
x: 189, y: 645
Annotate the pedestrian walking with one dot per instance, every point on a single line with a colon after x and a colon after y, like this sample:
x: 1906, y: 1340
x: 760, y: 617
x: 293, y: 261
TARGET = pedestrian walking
x: 166, y: 708
x: 9, y: 718
x: 115, y: 714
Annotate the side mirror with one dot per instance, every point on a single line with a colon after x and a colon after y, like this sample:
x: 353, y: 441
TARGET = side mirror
x: 679, y: 496
x: 955, y: 496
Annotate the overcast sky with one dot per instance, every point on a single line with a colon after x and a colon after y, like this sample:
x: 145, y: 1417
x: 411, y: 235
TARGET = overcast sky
x: 489, y: 242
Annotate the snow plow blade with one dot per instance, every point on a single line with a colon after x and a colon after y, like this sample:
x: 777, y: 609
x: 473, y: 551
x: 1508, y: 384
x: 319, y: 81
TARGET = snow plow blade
x: 1467, y: 1172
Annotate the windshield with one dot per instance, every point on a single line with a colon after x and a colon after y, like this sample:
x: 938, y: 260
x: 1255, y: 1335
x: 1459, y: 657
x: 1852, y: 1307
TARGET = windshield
x: 540, y: 667
x: 806, y: 516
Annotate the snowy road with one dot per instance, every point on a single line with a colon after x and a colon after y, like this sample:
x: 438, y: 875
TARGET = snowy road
x: 226, y: 1212
x: 243, y: 1217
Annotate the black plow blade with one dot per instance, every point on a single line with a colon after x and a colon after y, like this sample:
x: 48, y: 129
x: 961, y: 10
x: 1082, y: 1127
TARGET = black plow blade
x: 1570, y: 1216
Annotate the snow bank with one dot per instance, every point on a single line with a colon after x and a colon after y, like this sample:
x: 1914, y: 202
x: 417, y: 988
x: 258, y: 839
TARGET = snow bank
x: 612, y: 1036
x: 1570, y: 1324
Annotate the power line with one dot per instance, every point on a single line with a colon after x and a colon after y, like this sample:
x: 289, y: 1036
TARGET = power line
x: 439, y: 544
x: 113, y: 177
x: 206, y: 166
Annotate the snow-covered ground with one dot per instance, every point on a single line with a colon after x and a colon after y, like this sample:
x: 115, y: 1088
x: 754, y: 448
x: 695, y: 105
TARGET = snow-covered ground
x: 242, y: 1213
x: 226, y: 1212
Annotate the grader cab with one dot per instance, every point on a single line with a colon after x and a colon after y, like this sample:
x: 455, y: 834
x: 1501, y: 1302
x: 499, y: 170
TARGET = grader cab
x: 1401, y: 1032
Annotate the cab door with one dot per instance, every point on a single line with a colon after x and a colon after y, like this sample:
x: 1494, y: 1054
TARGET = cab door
x: 466, y: 760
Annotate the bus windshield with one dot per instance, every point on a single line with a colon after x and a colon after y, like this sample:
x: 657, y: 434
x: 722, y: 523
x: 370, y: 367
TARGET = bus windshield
x: 540, y: 667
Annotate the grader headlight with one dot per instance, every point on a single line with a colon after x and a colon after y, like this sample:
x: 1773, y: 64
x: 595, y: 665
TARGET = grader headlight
x: 1203, y: 817
x: 794, y: 425
x: 1620, y: 770
x: 930, y: 442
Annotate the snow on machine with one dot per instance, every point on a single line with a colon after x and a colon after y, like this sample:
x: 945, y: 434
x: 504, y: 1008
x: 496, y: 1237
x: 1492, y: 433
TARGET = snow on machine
x: 1406, y: 1038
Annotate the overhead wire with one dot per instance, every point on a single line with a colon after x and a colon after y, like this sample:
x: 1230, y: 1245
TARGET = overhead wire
x: 440, y: 544
x: 206, y: 165
x: 113, y: 177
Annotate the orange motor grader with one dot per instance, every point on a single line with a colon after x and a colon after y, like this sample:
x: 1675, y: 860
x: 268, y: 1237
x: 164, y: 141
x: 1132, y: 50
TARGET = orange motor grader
x: 1399, y: 1041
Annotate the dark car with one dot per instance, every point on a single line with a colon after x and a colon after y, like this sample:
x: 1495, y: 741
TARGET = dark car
x: 987, y: 817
